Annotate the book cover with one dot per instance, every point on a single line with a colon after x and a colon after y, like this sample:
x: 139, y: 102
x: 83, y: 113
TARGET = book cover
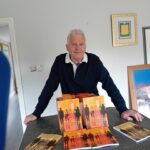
x: 94, y: 112
x: 44, y: 142
x: 76, y: 140
x: 69, y: 115
x: 133, y: 131
x: 101, y: 137
x: 83, y: 95
x: 89, y: 139
x: 79, y: 95
x: 68, y: 96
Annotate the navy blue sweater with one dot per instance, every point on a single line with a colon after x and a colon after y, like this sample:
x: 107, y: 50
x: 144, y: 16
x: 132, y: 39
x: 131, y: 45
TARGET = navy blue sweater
x: 85, y: 80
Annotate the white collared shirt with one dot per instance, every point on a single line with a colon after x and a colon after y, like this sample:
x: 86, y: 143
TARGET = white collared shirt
x: 75, y: 66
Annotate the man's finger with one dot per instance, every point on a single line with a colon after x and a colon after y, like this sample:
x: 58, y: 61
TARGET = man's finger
x: 129, y: 118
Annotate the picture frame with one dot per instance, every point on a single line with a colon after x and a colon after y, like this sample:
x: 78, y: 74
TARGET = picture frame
x: 146, y: 44
x: 139, y: 88
x: 124, y: 29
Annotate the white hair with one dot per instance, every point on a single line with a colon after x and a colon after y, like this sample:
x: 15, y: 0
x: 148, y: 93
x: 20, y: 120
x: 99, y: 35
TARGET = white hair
x: 75, y: 32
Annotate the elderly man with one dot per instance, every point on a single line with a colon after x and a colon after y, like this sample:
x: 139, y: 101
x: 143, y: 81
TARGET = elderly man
x: 78, y: 72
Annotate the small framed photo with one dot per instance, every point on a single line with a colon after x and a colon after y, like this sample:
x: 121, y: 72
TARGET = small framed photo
x: 139, y: 87
x: 146, y: 44
x: 124, y: 29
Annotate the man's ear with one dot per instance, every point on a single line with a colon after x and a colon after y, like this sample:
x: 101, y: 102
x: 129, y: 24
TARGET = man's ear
x: 67, y: 47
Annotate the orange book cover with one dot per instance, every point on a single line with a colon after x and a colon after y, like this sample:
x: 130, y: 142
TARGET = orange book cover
x: 83, y: 95
x: 76, y: 140
x: 69, y: 115
x: 133, y: 131
x: 44, y: 142
x: 94, y: 112
x: 79, y: 95
x: 101, y: 137
x: 89, y: 139
x: 68, y: 96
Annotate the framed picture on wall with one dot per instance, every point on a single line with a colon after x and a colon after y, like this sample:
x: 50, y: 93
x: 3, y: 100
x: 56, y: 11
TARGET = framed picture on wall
x: 146, y: 44
x: 139, y: 85
x: 124, y: 29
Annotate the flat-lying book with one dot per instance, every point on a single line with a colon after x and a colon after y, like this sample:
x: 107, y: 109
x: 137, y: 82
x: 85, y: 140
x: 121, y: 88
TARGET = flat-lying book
x: 133, y: 131
x: 44, y: 142
x: 89, y: 139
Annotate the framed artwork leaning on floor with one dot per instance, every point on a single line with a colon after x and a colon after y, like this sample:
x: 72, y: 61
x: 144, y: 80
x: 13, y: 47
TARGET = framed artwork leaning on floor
x: 139, y: 88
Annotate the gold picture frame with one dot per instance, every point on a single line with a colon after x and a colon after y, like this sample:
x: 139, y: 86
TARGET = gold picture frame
x: 139, y: 88
x: 124, y: 29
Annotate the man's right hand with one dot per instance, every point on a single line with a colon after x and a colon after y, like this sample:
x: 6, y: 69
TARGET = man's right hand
x: 29, y: 118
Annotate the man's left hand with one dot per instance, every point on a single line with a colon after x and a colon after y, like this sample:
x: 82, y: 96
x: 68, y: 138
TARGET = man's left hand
x: 131, y: 115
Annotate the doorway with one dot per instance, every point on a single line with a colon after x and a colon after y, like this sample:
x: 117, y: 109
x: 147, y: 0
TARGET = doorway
x: 16, y: 109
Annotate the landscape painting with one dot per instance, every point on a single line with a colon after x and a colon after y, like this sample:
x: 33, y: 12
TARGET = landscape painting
x: 139, y: 81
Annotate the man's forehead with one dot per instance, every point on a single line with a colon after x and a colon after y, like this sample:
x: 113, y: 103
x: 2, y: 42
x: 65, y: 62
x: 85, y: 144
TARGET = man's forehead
x: 77, y: 37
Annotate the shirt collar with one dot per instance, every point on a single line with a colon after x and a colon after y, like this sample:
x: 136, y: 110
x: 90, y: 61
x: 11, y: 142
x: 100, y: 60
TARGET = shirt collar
x: 68, y: 60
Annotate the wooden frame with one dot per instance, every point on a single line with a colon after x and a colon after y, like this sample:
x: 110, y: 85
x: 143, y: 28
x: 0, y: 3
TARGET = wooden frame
x: 139, y: 85
x: 146, y: 44
x: 124, y: 29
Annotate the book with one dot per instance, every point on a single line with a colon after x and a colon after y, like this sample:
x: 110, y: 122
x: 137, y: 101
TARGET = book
x: 69, y: 114
x: 89, y: 139
x: 93, y: 131
x: 44, y: 142
x: 68, y: 96
x: 94, y: 112
x: 133, y: 131
x: 80, y: 96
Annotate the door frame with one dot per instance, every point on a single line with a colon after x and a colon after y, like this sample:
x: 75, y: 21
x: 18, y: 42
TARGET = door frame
x: 10, y: 22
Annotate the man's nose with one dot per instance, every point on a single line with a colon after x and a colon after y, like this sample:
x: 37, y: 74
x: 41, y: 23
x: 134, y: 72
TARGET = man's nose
x: 78, y: 46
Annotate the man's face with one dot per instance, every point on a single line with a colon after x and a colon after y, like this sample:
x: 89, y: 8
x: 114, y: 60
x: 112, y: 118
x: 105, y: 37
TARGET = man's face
x: 76, y: 47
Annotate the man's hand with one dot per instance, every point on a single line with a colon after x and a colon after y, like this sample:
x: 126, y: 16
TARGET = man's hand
x: 132, y: 114
x: 29, y: 118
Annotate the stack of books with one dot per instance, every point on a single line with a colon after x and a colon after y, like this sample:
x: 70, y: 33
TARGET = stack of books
x: 83, y: 122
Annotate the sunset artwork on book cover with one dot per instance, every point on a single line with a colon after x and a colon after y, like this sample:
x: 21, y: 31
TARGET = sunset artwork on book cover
x: 76, y: 139
x: 133, y: 131
x: 69, y: 114
x: 94, y: 112
x: 44, y: 141
x: 101, y: 137
x: 89, y: 139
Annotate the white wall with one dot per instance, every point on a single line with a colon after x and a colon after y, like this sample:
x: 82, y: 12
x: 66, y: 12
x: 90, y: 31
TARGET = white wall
x: 4, y: 33
x: 41, y: 30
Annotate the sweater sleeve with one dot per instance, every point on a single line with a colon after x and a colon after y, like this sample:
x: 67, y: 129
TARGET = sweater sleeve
x: 50, y: 86
x: 107, y: 83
